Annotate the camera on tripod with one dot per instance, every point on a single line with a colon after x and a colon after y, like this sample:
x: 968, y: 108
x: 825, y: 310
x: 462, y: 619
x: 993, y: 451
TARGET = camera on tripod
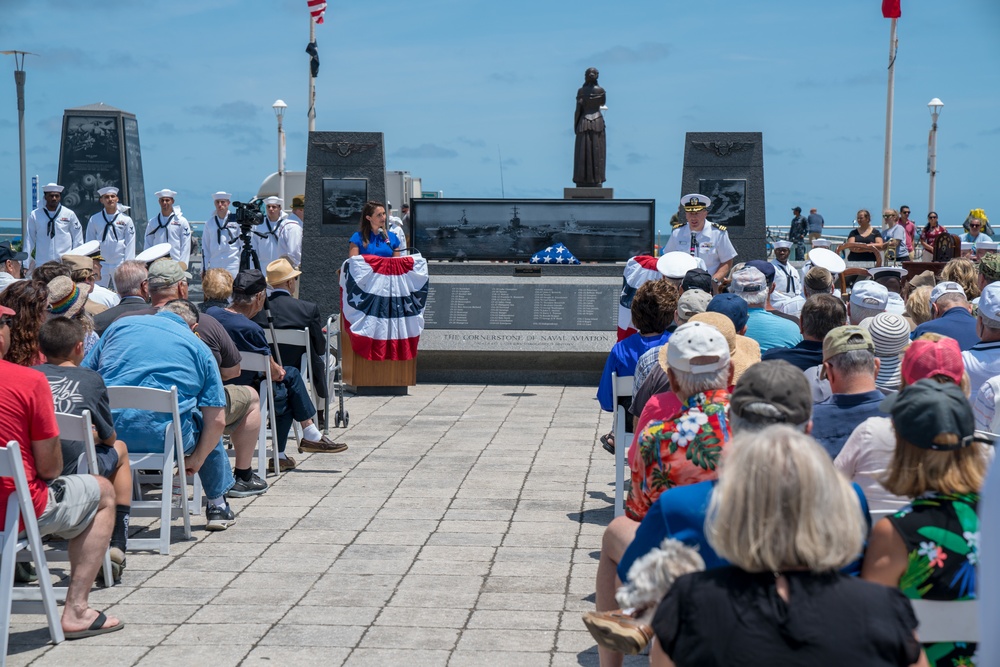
x: 248, y: 215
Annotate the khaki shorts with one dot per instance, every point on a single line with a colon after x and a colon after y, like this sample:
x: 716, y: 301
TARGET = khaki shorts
x: 239, y: 400
x: 72, y: 506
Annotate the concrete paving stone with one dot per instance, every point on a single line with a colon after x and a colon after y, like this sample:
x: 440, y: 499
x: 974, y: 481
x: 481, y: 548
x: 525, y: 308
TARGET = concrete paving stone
x: 537, y: 568
x: 167, y: 596
x: 532, y: 554
x: 260, y: 511
x: 265, y: 564
x: 505, y: 640
x: 420, y: 492
x: 554, y: 539
x: 457, y: 526
x: 270, y: 656
x: 179, y: 579
x: 243, y: 532
x: 406, y: 637
x: 327, y: 520
x: 153, y: 614
x: 27, y: 636
x: 486, y: 492
x: 399, y: 538
x: 225, y: 549
x: 513, y: 620
x: 250, y: 595
x: 457, y: 582
x: 402, y: 502
x: 341, y: 500
x: 579, y: 602
x: 75, y: 653
x: 267, y: 581
x: 198, y: 654
x: 378, y: 657
x: 457, y: 553
x: 575, y: 640
x: 356, y: 581
x: 324, y: 537
x: 523, y: 601
x: 146, y: 561
x: 450, y: 567
x: 20, y: 656
x: 285, y: 634
x: 370, y: 566
x: 422, y: 617
x: 345, y: 598
x: 264, y: 523
x: 223, y: 614
x: 586, y: 553
x: 470, y: 516
x: 382, y: 525
x: 473, y: 503
x: 217, y: 634
x: 467, y: 658
x: 320, y: 552
x: 414, y: 514
x: 465, y: 539
x: 413, y: 597
x: 280, y: 497
x: 327, y: 615
x: 379, y: 551
x: 544, y: 516
x: 204, y: 563
x: 524, y: 584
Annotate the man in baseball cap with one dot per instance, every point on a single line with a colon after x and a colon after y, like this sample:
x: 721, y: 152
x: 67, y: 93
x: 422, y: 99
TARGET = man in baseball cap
x: 768, y: 329
x: 868, y: 299
x: 982, y: 360
x: 702, y: 239
x: 10, y: 264
x: 952, y: 315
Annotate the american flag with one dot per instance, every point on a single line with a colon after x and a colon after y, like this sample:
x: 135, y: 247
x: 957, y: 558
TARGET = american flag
x: 317, y: 8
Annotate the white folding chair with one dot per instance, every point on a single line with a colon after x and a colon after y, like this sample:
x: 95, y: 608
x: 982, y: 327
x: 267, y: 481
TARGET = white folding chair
x: 19, y: 506
x: 260, y: 363
x: 297, y: 338
x: 163, y: 401
x: 620, y: 387
x: 947, y: 620
x: 78, y: 427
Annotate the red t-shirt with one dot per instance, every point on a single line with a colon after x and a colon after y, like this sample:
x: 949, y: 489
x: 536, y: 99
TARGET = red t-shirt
x: 26, y: 415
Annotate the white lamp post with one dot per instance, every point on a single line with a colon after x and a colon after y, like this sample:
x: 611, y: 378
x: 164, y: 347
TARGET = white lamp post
x: 19, y: 77
x: 935, y: 107
x: 279, y: 111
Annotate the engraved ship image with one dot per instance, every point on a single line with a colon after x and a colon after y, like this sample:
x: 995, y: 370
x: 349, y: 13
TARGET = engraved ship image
x: 527, y: 240
x: 474, y: 231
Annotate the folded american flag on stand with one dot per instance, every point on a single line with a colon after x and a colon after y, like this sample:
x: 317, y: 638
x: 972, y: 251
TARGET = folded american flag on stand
x: 382, y: 302
x: 638, y: 270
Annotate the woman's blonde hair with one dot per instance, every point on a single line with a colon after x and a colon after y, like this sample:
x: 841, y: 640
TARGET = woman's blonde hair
x: 780, y: 504
x: 914, y: 471
x: 918, y: 304
x: 217, y: 284
x: 963, y: 272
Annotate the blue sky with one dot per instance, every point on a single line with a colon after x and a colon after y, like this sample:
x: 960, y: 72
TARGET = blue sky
x: 450, y: 82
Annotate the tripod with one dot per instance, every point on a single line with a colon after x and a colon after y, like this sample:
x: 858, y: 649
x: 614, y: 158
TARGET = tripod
x: 248, y: 260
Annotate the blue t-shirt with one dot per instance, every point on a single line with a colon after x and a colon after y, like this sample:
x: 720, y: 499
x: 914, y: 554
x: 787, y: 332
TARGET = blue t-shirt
x: 157, y: 351
x: 622, y: 360
x: 247, y: 335
x: 803, y: 356
x: 836, y: 418
x: 377, y: 245
x: 956, y: 323
x: 770, y: 330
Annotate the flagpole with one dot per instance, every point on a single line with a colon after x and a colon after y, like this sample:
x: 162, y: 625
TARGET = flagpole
x: 312, y: 80
x: 887, y: 168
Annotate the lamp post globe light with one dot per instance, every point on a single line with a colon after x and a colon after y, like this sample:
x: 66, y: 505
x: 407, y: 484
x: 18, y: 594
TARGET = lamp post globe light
x: 934, y: 106
x: 279, y: 107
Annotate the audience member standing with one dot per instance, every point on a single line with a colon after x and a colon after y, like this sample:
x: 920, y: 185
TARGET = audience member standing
x: 797, y: 231
x: 892, y: 231
x: 932, y: 230
x: 908, y: 226
x: 816, y: 223
x: 53, y: 229
x: 700, y: 238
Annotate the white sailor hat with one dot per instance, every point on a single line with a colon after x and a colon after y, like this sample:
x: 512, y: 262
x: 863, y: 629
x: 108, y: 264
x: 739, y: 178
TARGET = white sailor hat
x: 967, y: 245
x: 278, y: 201
x: 987, y: 246
x: 52, y: 187
x: 222, y: 195
x: 110, y: 190
x: 166, y: 193
x: 782, y: 244
x: 90, y: 249
x: 877, y: 272
x: 821, y: 243
x: 153, y: 253
x: 695, y: 202
x: 827, y: 259
x: 946, y: 287
x: 675, y: 264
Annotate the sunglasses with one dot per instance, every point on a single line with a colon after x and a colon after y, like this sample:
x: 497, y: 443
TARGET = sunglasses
x: 932, y: 217
x: 6, y: 321
x: 888, y: 215
x: 975, y: 226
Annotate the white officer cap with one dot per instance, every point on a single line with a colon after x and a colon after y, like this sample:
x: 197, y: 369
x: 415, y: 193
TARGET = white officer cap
x: 88, y: 249
x: 110, y: 190
x: 947, y: 287
x: 821, y: 243
x: 52, y: 187
x: 987, y: 246
x: 275, y: 201
x: 695, y: 202
x: 676, y: 264
x: 827, y: 259
x: 884, y: 271
x: 153, y: 253
x: 222, y: 195
x: 870, y: 294
x: 782, y: 244
x: 166, y: 193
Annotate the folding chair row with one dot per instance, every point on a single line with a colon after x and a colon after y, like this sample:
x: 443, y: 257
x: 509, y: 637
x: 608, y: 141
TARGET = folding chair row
x: 620, y: 388
x: 260, y: 363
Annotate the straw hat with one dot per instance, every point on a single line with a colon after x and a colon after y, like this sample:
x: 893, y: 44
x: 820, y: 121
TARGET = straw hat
x: 66, y: 297
x: 281, y: 270
x: 743, y: 351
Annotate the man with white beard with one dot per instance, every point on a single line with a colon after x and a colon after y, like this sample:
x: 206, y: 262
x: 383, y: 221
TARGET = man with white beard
x: 169, y: 226
x: 276, y: 237
x: 115, y: 232
x: 220, y: 240
x: 53, y: 229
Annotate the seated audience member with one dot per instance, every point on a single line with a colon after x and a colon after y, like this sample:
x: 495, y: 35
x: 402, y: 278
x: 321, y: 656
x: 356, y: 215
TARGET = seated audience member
x: 982, y: 360
x: 80, y: 508
x: 867, y: 452
x: 891, y: 278
x: 685, y: 448
x: 770, y: 273
x: 929, y: 550
x: 952, y: 315
x: 699, y: 279
x: 851, y: 366
x: 989, y: 270
x: 783, y: 601
x: 291, y: 397
x: 918, y: 306
x: 820, y: 314
x: 674, y: 266
x: 217, y: 286
x: 817, y: 280
x: 10, y: 265
x: 652, y: 310
x: 74, y: 390
x: 29, y: 299
x: 891, y: 335
x: 868, y: 299
x: 101, y: 298
x: 768, y: 329
x: 44, y: 273
x: 69, y: 299
x: 962, y: 271
x: 132, y: 285
x: 123, y: 358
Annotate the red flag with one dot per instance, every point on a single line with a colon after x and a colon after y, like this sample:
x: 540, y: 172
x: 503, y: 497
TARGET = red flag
x: 890, y: 9
x: 318, y: 7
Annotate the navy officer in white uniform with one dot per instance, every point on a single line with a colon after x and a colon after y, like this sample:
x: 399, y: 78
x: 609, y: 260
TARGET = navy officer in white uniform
x: 220, y: 242
x: 169, y: 226
x: 115, y: 231
x: 787, y: 279
x: 700, y: 238
x: 53, y: 229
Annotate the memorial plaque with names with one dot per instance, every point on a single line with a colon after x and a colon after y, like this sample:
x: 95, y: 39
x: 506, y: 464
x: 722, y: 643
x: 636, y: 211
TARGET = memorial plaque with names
x: 557, y: 307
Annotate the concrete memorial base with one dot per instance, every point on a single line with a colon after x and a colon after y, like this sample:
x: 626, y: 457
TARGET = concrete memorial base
x: 588, y: 193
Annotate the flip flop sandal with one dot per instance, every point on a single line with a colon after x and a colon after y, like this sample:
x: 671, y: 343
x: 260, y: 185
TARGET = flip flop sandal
x: 96, y: 628
x: 608, y: 443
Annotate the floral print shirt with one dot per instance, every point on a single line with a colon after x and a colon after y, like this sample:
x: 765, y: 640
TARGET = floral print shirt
x: 683, y: 449
x: 941, y: 533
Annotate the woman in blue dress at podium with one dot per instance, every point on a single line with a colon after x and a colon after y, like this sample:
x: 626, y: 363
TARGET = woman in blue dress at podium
x: 373, y: 238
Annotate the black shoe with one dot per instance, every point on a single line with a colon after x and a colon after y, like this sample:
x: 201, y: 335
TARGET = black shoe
x: 252, y: 487
x: 219, y: 518
x: 24, y: 573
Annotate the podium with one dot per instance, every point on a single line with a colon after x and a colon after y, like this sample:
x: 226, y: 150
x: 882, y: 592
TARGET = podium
x: 366, y: 377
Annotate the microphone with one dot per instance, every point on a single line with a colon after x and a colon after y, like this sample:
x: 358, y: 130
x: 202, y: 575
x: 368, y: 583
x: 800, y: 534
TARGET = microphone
x: 385, y: 234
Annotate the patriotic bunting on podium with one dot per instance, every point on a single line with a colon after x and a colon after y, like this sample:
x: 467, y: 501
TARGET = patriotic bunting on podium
x: 638, y: 270
x: 382, y: 302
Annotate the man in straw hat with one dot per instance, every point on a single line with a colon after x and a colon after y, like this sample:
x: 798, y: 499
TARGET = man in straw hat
x: 53, y: 229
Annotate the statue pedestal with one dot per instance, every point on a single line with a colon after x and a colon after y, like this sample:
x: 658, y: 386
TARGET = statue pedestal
x: 588, y: 193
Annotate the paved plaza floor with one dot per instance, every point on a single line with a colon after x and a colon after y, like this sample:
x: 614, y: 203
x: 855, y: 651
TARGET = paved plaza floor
x: 462, y: 527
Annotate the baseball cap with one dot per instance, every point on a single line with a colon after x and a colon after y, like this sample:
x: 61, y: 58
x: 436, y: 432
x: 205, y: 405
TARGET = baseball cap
x: 947, y: 287
x: 165, y: 272
x: 732, y: 306
x: 695, y: 202
x: 6, y: 252
x: 697, y: 279
x: 692, y: 302
x: 764, y: 267
x: 696, y: 347
x: 926, y: 358
x: 932, y: 415
x: 818, y: 279
x: 870, y: 294
x: 989, y: 302
x: 748, y: 280
x: 675, y: 264
x: 4, y: 310
x: 772, y: 392
x: 249, y: 282
x: 846, y: 339
x: 989, y: 266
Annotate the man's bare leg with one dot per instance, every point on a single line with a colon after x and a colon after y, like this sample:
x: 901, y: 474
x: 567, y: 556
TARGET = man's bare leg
x: 121, y: 477
x: 617, y: 536
x: 244, y: 437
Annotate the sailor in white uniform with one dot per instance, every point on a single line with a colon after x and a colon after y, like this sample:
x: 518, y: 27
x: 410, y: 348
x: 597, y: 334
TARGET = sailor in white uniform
x: 276, y: 237
x: 787, y: 279
x: 700, y: 238
x: 53, y: 229
x: 170, y: 226
x: 394, y: 225
x: 220, y: 240
x: 115, y: 231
